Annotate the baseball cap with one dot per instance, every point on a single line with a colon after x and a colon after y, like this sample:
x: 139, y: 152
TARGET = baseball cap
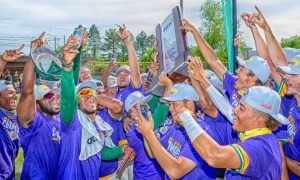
x: 42, y: 90
x: 112, y: 81
x: 294, y: 66
x: 135, y: 98
x: 181, y: 91
x: 46, y: 63
x: 258, y: 66
x: 290, y: 53
x: 266, y: 100
x: 4, y: 86
x: 214, y: 80
x: 99, y: 84
x: 123, y: 68
x: 86, y: 84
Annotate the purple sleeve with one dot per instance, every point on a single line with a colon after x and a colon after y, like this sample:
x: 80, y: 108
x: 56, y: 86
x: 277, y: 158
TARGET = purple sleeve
x: 286, y: 102
x: 189, y: 152
x: 255, y: 162
x: 132, y: 89
x: 229, y: 81
x: 74, y: 125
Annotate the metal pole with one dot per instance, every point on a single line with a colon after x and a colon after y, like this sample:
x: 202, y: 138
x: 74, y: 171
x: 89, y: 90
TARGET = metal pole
x: 181, y: 6
x: 55, y: 43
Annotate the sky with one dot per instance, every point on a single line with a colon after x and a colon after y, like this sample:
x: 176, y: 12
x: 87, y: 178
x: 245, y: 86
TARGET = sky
x: 22, y: 20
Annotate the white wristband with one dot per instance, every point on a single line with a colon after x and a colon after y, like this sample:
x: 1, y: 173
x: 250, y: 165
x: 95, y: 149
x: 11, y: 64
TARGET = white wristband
x: 191, y: 126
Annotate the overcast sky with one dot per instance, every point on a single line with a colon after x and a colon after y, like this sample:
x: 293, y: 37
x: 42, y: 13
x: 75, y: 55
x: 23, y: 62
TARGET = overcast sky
x: 23, y: 19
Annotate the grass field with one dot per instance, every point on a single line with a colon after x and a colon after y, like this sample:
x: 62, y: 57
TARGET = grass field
x: 18, y: 163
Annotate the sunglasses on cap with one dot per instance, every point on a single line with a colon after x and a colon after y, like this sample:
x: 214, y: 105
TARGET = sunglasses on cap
x: 86, y: 92
x: 47, y: 96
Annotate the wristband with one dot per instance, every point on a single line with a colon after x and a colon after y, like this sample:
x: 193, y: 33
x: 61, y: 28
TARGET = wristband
x: 191, y: 126
x: 67, y: 65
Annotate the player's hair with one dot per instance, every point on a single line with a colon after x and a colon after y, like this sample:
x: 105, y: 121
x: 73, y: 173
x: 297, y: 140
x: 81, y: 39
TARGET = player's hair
x: 270, y: 122
x: 258, y: 82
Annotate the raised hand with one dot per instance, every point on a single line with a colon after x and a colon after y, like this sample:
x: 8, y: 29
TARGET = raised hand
x: 70, y: 53
x: 195, y: 69
x: 259, y: 19
x: 144, y: 126
x: 112, y: 66
x: 12, y: 54
x: 124, y: 34
x: 187, y: 26
x: 163, y: 80
x: 247, y: 18
x: 85, y: 38
x: 237, y: 41
x: 39, y: 41
x: 155, y: 43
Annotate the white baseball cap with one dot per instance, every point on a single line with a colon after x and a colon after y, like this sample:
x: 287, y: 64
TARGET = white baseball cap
x: 182, y: 91
x: 266, y: 100
x: 294, y: 66
x: 258, y: 66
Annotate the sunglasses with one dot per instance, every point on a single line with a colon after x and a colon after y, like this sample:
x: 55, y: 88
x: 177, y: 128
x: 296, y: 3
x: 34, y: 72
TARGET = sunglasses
x: 86, y: 92
x: 47, y: 96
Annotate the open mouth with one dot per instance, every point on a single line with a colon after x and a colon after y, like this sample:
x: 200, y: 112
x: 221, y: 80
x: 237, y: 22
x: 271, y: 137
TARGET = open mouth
x: 12, y: 103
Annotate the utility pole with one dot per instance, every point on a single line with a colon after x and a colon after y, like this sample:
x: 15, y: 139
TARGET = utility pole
x: 181, y: 6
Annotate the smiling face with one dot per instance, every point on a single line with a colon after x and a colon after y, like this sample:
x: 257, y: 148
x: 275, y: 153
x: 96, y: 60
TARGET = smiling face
x: 177, y: 105
x: 85, y: 74
x: 292, y: 83
x: 245, y: 79
x: 87, y: 101
x: 244, y: 118
x: 50, y: 104
x: 8, y: 99
x: 123, y: 79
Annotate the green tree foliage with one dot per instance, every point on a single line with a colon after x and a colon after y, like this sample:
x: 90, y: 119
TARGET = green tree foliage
x: 143, y: 43
x: 292, y: 42
x: 94, y: 43
x: 111, y: 42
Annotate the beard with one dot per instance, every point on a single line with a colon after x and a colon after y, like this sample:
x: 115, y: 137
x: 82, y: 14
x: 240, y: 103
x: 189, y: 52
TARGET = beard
x: 88, y: 112
x: 47, y: 110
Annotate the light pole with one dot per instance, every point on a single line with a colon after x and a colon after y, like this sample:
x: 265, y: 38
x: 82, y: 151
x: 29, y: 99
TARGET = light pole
x: 181, y: 6
x: 55, y: 39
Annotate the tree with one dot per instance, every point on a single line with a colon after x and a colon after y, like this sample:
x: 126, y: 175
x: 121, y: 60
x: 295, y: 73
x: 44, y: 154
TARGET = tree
x: 94, y: 43
x: 111, y: 42
x: 292, y: 42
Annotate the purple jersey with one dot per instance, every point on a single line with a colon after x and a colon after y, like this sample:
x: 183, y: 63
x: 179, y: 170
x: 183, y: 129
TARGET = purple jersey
x: 291, y: 110
x: 260, y: 158
x: 118, y: 137
x: 220, y: 127
x: 143, y: 166
x: 177, y: 143
x: 235, y: 95
x: 123, y: 94
x: 9, y: 146
x: 70, y: 167
x: 40, y: 142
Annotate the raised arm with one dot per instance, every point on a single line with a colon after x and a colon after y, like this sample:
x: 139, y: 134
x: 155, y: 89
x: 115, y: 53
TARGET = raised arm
x: 27, y: 97
x: 208, y: 53
x: 114, y: 106
x: 220, y: 102
x: 261, y: 46
x: 205, y: 102
x: 212, y: 153
x: 125, y: 35
x: 10, y: 55
x: 275, y: 51
x: 68, y: 102
x: 110, y: 69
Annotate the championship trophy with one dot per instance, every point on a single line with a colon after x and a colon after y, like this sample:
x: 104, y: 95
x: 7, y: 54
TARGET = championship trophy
x: 173, y: 51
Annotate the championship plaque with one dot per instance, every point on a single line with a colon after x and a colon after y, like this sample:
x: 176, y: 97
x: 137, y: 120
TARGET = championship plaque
x: 173, y: 51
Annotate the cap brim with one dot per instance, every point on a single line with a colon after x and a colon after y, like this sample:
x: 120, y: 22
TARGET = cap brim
x: 280, y: 118
x: 288, y: 70
x: 56, y: 90
x: 146, y: 98
x: 87, y: 84
x: 169, y: 99
x: 122, y: 69
x: 240, y: 61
